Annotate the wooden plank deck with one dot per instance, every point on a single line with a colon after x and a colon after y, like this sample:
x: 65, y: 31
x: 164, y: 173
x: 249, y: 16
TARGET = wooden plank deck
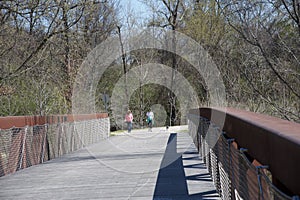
x: 141, y: 165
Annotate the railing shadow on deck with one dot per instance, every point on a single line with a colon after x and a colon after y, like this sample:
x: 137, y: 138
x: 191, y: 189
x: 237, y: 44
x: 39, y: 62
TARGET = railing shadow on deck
x: 172, y: 181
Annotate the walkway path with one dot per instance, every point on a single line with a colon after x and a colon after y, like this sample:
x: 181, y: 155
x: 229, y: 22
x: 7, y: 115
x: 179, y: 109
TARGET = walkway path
x: 142, y: 165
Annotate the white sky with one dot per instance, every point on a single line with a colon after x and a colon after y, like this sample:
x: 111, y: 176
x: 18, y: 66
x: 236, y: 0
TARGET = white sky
x: 140, y: 11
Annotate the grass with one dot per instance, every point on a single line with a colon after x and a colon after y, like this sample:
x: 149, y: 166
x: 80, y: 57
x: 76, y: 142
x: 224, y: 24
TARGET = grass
x: 116, y: 132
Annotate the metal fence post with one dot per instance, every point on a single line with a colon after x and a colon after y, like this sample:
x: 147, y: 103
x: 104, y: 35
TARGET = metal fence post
x: 23, y: 147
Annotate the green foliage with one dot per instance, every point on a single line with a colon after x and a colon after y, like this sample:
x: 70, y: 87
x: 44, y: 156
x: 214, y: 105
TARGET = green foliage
x: 32, y: 97
x: 206, y: 24
x: 255, y: 45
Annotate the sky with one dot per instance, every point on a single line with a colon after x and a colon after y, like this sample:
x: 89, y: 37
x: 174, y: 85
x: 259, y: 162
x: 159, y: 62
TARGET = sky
x: 140, y: 10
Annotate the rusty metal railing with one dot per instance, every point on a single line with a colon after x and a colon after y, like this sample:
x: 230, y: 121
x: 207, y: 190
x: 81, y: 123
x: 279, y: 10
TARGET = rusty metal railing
x: 236, y: 169
x: 34, y: 142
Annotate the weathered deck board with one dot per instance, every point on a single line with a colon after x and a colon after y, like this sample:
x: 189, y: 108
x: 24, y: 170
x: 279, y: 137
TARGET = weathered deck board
x: 136, y: 166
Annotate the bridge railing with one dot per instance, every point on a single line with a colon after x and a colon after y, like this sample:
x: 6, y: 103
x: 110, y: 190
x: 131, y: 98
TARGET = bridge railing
x: 242, y: 156
x: 31, y: 140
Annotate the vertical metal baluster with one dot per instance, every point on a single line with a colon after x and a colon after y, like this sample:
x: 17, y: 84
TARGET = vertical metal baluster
x: 23, y: 148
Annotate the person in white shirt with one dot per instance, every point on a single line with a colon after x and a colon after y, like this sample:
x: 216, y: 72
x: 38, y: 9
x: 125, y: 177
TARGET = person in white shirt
x: 150, y: 119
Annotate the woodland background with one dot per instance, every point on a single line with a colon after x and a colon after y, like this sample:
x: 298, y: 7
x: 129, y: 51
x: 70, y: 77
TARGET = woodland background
x: 254, y: 43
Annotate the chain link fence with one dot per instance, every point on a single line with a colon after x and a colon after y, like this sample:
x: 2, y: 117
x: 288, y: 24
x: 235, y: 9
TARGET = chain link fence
x: 235, y: 175
x: 22, y: 147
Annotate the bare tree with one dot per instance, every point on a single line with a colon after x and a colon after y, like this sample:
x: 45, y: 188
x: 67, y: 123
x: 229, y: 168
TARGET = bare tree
x: 268, y: 32
x: 169, y: 14
x: 44, y: 39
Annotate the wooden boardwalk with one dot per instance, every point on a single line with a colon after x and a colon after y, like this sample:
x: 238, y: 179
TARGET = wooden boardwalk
x: 156, y: 165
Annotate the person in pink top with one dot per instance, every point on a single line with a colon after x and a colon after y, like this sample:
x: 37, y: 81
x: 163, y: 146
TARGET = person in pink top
x: 128, y: 120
